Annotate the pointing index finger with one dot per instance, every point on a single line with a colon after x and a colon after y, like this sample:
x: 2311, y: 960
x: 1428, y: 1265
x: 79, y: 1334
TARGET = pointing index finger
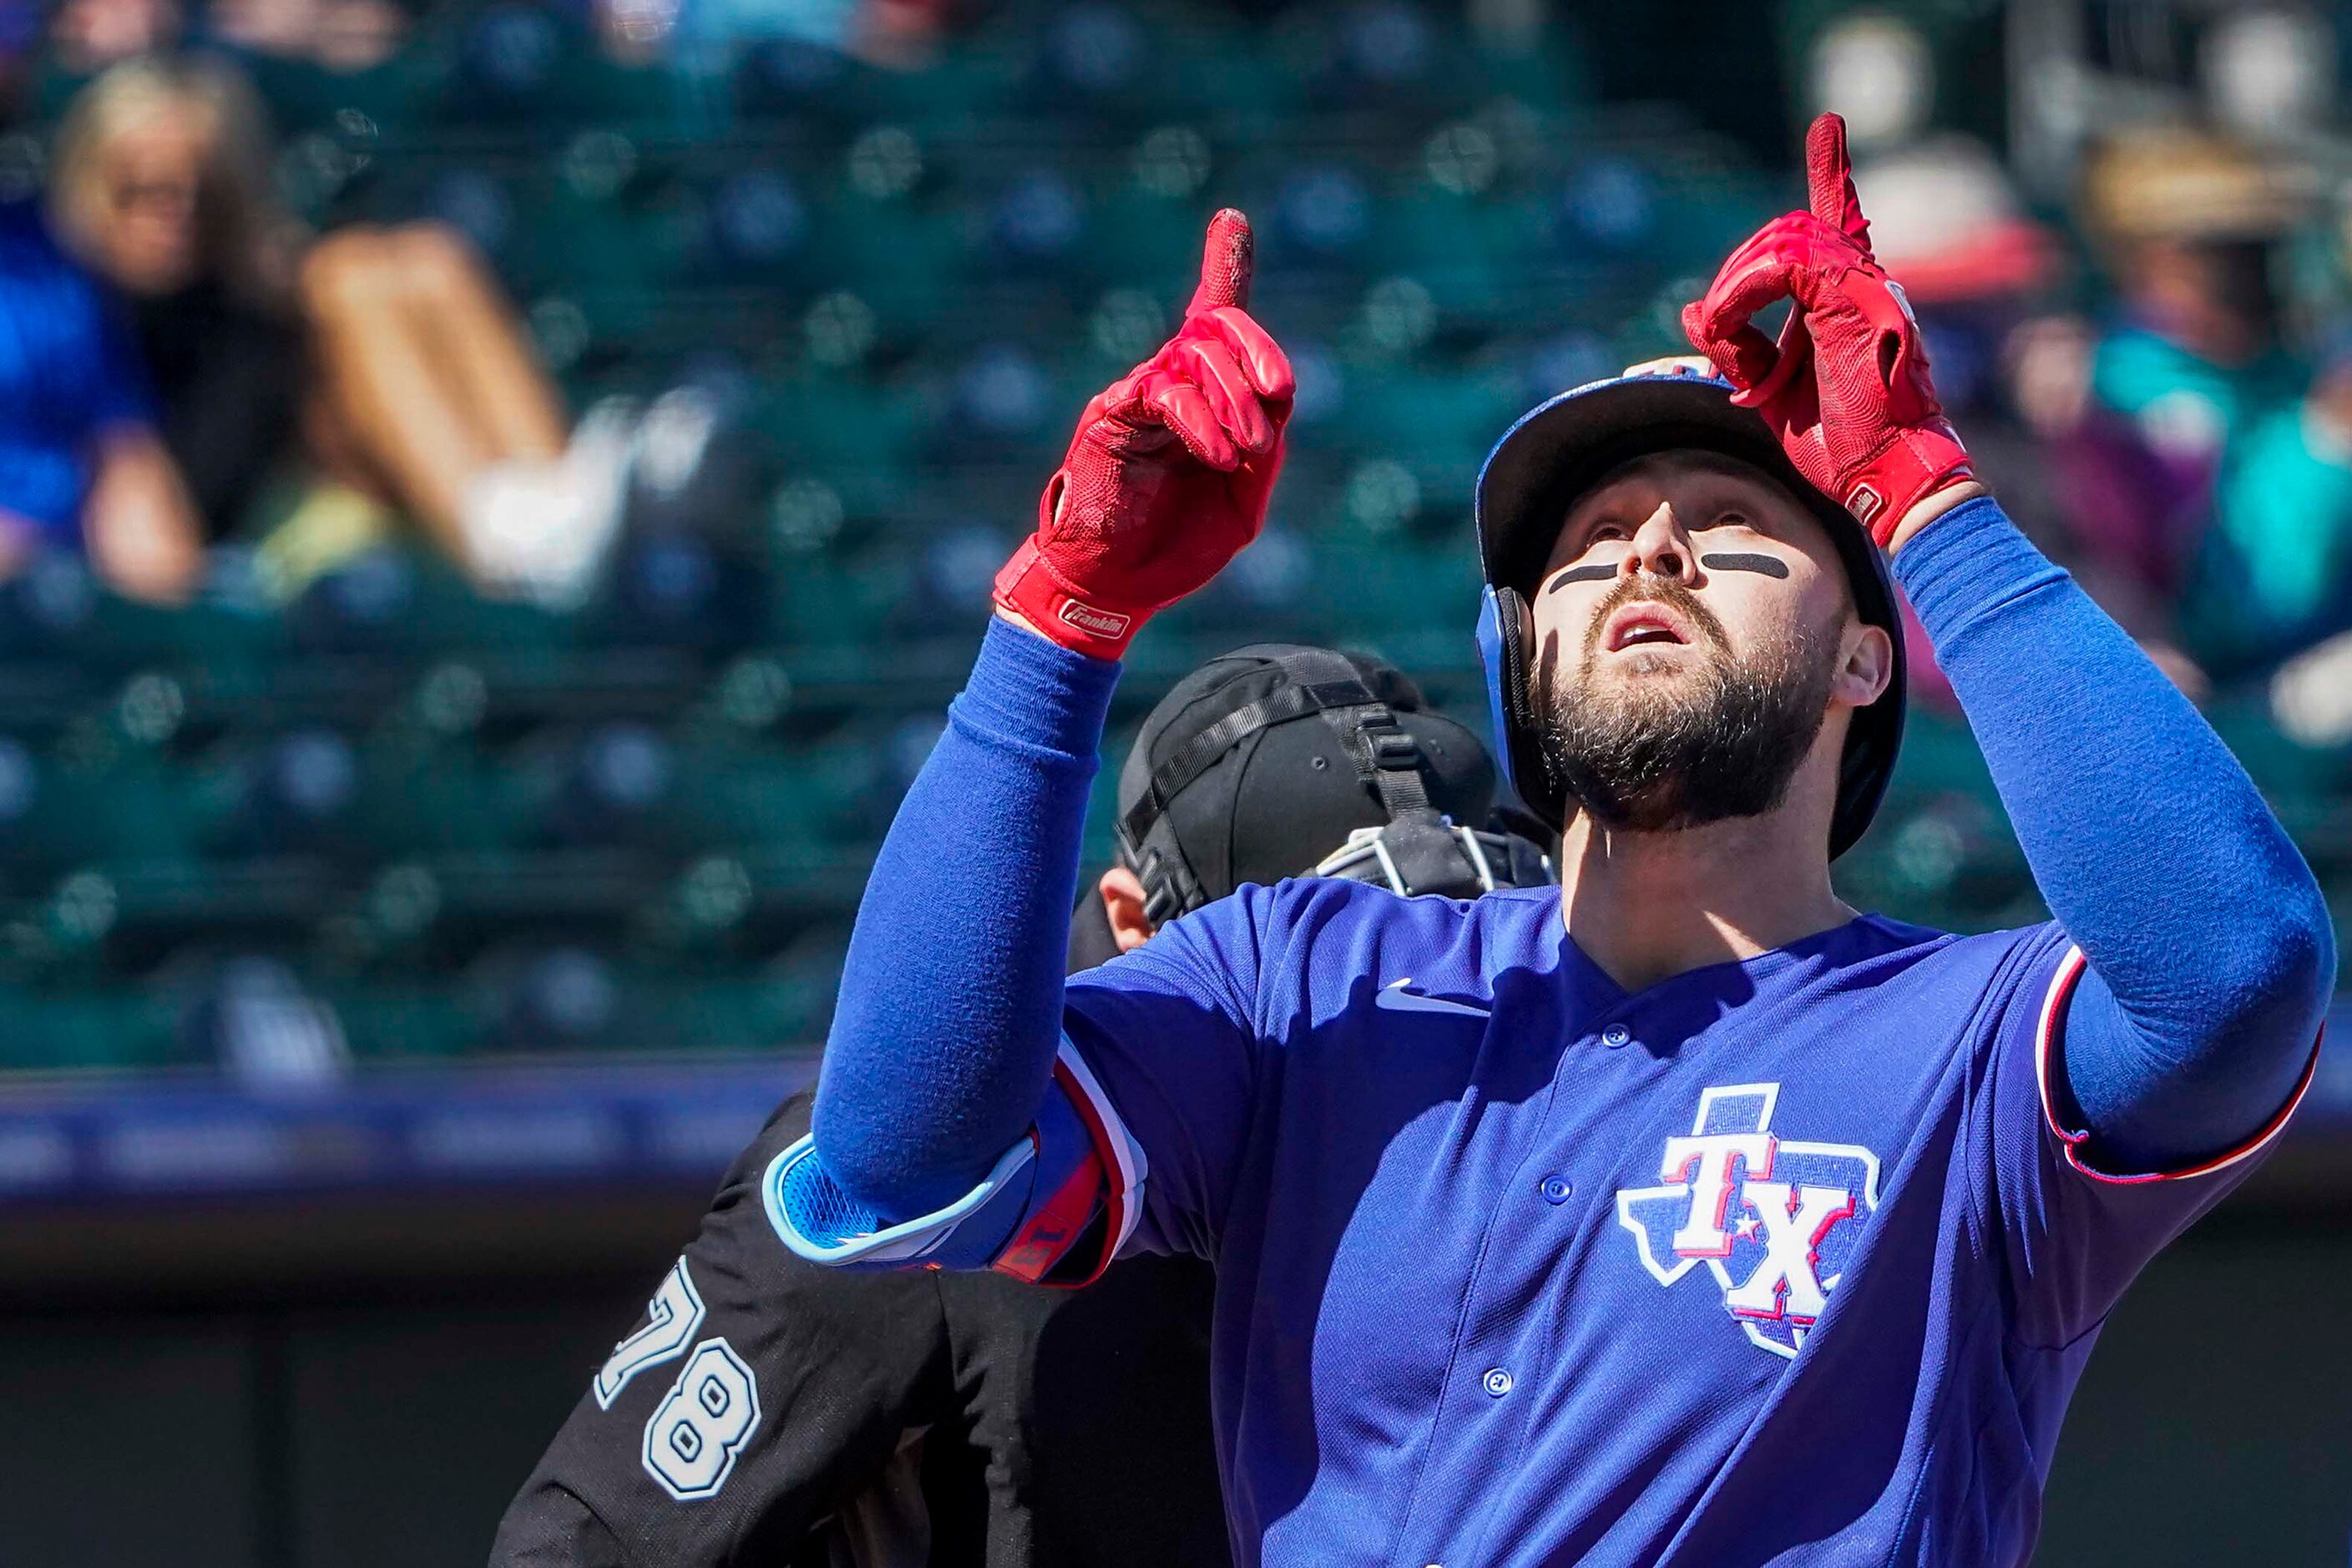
x: 1225, y: 261
x: 1829, y: 179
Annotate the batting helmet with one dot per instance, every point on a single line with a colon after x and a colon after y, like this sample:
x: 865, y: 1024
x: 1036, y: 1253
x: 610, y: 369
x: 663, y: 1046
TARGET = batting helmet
x: 1558, y: 451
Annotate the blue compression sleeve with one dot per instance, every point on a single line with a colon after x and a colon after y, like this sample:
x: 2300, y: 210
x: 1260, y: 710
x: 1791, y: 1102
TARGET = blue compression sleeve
x: 943, y: 1040
x: 2210, y: 953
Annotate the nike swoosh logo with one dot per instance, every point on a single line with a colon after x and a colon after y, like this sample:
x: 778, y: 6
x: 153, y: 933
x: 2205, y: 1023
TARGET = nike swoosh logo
x: 1397, y: 999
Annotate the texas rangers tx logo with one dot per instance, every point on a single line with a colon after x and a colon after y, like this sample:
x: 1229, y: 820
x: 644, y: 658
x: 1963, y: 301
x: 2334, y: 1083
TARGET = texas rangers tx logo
x: 1774, y: 1220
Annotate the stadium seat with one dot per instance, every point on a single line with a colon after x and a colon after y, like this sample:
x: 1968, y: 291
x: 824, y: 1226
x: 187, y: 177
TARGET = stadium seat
x: 640, y: 823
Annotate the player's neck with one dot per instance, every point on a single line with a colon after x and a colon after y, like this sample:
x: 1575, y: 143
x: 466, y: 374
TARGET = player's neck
x: 1648, y: 906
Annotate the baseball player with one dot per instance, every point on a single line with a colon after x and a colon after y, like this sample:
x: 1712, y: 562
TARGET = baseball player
x: 1681, y: 1215
x: 943, y: 1419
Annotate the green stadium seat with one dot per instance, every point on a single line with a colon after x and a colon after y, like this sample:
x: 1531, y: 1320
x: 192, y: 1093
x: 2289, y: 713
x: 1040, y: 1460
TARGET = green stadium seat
x: 75, y: 1029
x: 480, y: 829
x: 841, y: 605
x: 401, y: 1020
x: 821, y: 424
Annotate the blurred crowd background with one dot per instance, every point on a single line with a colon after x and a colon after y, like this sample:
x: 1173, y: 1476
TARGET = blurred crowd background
x: 494, y: 498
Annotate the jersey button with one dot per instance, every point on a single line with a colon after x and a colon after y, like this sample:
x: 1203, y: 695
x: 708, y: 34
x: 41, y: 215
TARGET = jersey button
x: 1555, y: 1189
x: 1615, y: 1035
x: 1496, y: 1383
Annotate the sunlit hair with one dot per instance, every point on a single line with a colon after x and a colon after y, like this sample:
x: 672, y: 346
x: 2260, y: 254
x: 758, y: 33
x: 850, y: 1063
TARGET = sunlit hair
x: 245, y: 237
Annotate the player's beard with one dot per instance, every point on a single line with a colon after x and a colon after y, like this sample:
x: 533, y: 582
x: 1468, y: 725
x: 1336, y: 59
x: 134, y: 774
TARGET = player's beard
x: 1660, y: 751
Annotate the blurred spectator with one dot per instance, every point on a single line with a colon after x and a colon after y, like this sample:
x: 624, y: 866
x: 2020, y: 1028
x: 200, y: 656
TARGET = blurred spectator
x: 338, y: 35
x: 2275, y: 575
x: 636, y: 32
x: 2270, y: 72
x: 1873, y: 69
x: 430, y: 399
x: 160, y: 182
x: 1946, y: 220
x: 385, y: 362
x: 20, y: 36
x: 2189, y: 223
x: 2117, y: 513
x: 2139, y: 418
x: 88, y: 35
x: 81, y: 468
x: 896, y: 34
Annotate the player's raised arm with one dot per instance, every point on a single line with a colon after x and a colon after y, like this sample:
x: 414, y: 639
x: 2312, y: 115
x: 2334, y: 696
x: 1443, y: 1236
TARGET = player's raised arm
x: 2210, y: 955
x: 951, y: 1011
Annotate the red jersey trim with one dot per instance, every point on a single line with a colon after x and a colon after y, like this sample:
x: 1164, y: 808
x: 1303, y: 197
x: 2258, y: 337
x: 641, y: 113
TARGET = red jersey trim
x: 1110, y: 1174
x: 1052, y: 1226
x: 1122, y: 1156
x: 2045, y: 1036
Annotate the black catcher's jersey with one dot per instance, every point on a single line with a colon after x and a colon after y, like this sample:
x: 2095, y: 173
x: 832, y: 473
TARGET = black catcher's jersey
x: 767, y: 1411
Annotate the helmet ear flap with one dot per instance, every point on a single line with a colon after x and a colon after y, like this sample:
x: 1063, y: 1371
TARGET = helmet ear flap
x: 1505, y: 637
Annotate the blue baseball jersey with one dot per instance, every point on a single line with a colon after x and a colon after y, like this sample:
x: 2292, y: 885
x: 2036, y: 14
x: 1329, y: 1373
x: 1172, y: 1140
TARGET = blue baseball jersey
x: 68, y: 376
x: 1782, y: 1259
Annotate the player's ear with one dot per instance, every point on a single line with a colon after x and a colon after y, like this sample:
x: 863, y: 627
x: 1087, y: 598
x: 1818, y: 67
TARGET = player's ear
x: 1866, y: 665
x: 1122, y: 895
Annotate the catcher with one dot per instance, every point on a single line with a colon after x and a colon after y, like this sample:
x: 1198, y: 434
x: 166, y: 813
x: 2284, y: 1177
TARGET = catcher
x: 950, y: 1420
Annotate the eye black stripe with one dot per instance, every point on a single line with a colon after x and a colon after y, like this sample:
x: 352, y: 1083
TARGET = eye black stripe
x: 1771, y: 565
x: 1594, y: 574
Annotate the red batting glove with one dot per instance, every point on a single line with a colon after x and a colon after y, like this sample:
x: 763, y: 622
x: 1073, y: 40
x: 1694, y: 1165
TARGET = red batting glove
x: 1169, y: 475
x: 1846, y: 387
